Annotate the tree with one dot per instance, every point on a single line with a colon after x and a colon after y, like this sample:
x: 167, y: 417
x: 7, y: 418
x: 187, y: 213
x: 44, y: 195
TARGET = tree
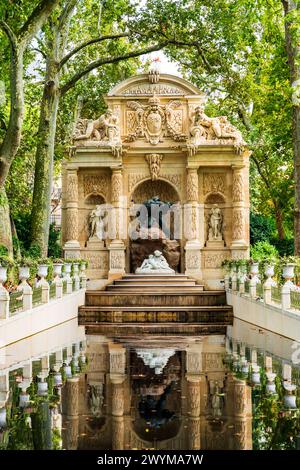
x: 64, y: 69
x: 292, y: 39
x: 19, y: 37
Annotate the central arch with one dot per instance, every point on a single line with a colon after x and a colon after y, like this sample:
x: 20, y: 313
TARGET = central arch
x: 140, y: 248
x: 150, y: 188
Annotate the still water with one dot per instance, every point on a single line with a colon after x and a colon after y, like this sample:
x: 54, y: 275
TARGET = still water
x: 61, y: 389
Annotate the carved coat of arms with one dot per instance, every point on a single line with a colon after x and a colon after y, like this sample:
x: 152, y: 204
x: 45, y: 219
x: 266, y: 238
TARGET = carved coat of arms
x: 154, y: 120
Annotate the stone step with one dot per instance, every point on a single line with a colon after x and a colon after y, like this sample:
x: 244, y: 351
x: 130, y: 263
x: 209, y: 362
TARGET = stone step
x: 155, y: 298
x: 153, y: 288
x: 113, y: 330
x: 155, y: 276
x: 153, y: 281
x: 160, y: 308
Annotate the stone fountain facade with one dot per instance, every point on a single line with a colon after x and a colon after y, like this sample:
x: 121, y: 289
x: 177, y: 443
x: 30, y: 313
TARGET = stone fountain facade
x: 156, y: 140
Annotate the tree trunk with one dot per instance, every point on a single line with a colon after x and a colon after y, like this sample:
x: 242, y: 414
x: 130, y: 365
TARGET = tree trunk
x: 293, y: 52
x: 12, y: 139
x: 279, y: 223
x: 41, y: 205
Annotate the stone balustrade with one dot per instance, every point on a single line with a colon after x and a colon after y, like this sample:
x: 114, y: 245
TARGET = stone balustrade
x: 259, y: 283
x: 25, y: 297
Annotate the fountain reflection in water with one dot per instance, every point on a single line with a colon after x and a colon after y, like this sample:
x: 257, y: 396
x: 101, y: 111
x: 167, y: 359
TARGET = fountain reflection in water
x: 228, y: 391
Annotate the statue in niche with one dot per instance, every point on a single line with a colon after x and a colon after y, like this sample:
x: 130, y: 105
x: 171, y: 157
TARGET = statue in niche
x: 96, y: 399
x: 96, y: 223
x: 215, y: 224
x: 104, y: 129
x: 156, y: 264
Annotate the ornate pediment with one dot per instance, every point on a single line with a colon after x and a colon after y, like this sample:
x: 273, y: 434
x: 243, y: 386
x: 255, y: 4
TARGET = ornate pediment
x: 155, y: 84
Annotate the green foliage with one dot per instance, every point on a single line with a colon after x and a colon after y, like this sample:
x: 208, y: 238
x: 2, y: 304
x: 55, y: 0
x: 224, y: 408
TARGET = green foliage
x: 262, y: 250
x: 54, y: 249
x: 262, y: 228
x: 3, y: 250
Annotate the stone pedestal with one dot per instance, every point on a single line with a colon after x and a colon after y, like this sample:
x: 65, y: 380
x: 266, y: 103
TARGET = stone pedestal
x: 116, y: 259
x: 95, y: 244
x: 193, y: 259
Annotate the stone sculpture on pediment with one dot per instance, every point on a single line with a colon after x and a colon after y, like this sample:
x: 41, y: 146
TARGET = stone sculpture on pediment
x: 205, y: 129
x: 154, y: 120
x: 103, y: 131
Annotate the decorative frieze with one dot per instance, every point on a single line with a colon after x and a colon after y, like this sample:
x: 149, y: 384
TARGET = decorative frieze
x: 96, y: 260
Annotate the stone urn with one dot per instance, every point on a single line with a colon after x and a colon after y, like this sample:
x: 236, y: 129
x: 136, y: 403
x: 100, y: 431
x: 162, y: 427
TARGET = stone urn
x: 269, y: 270
x: 270, y: 386
x: 254, y: 269
x: 68, y: 267
x: 3, y: 275
x: 288, y: 271
x: 24, y: 399
x: 76, y: 268
x: 42, y: 388
x: 58, y: 379
x: 2, y: 417
x: 43, y: 270
x: 57, y: 268
x: 289, y: 402
x: 245, y: 367
x: 68, y: 371
x: 255, y: 376
x: 24, y: 273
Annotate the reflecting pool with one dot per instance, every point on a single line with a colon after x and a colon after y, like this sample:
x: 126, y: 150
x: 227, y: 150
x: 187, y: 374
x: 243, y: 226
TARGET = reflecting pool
x: 61, y: 389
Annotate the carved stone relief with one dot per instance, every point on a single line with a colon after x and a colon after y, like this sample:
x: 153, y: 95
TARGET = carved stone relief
x: 214, y: 183
x: 116, y: 186
x: 213, y: 361
x: 214, y: 260
x: 95, y: 184
x: 117, y: 260
x: 192, y: 260
x: 237, y: 187
x: 154, y: 120
x: 72, y: 187
x: 154, y: 161
x: 72, y: 224
x: 192, y: 185
x: 96, y: 260
x: 238, y: 224
x: 154, y: 89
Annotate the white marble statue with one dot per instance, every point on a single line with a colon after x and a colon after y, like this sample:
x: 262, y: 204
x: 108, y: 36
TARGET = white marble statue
x: 215, y: 224
x: 155, y: 264
x: 96, y: 223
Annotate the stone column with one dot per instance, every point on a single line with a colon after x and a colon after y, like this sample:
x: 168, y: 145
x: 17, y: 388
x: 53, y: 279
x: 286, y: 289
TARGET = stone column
x: 240, y: 212
x: 239, y: 412
x: 117, y: 411
x: 117, y: 247
x: 70, y: 404
x: 72, y: 246
x: 191, y: 225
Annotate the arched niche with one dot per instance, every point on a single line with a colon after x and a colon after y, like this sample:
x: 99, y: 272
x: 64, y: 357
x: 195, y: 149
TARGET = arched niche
x: 148, y: 189
x: 215, y: 198
x: 93, y: 200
